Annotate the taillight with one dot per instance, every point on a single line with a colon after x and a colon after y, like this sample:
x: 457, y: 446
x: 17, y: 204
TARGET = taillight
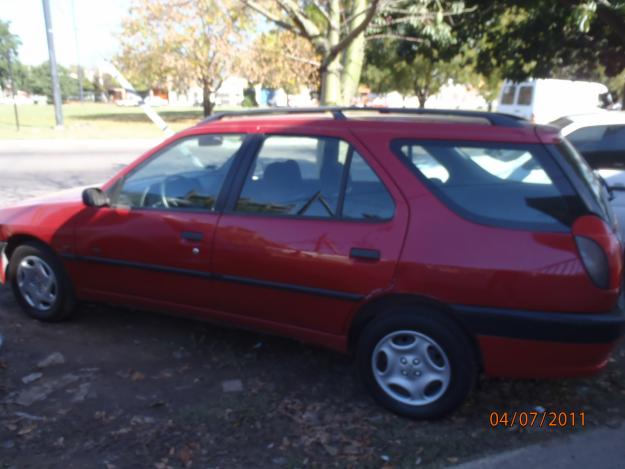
x: 595, y: 261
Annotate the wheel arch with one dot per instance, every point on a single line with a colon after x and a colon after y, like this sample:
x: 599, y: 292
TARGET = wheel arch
x: 16, y: 240
x: 387, y: 303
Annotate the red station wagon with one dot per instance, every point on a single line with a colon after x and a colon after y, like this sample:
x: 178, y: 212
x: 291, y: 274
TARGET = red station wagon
x: 432, y: 244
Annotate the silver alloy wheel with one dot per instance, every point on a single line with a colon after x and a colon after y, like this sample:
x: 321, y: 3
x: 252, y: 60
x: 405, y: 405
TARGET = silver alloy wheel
x: 37, y: 283
x: 411, y: 367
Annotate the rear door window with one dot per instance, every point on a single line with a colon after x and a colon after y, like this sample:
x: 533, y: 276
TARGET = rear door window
x: 507, y: 96
x: 366, y: 198
x: 512, y: 185
x: 525, y: 95
x: 321, y: 177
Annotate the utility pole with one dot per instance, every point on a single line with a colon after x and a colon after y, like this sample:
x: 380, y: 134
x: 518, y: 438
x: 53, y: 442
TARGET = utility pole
x: 80, y: 75
x: 17, y: 118
x: 56, y: 89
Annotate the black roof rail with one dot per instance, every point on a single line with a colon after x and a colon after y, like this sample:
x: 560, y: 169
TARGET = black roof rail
x: 338, y: 113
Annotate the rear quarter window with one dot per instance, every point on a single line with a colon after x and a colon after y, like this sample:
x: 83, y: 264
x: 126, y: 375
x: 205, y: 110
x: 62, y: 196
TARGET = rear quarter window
x: 510, y: 185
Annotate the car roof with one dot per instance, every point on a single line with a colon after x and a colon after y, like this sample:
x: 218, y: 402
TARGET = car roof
x: 595, y: 118
x: 350, y: 114
x: 385, y: 123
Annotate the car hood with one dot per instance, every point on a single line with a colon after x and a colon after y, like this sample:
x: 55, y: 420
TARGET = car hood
x: 48, y: 218
x: 73, y: 194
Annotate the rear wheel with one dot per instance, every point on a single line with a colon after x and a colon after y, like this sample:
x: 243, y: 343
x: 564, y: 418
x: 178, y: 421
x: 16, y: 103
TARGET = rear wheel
x: 40, y: 283
x: 416, y: 363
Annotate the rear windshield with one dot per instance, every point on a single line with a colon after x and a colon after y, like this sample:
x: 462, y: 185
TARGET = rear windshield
x: 512, y: 185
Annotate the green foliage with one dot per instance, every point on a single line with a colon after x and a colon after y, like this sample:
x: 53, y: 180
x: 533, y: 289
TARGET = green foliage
x: 39, y: 81
x: 539, y: 38
x: 9, y: 44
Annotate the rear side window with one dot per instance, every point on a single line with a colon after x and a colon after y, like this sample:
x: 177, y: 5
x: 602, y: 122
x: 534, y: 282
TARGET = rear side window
x: 525, y: 95
x: 507, y: 96
x: 512, y: 185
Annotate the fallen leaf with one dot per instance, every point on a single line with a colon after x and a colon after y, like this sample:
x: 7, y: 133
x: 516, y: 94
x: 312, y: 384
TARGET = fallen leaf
x: 185, y: 454
x: 137, y: 376
x: 26, y: 430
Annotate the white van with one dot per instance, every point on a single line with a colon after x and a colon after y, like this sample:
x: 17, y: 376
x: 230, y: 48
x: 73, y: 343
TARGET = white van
x: 545, y: 100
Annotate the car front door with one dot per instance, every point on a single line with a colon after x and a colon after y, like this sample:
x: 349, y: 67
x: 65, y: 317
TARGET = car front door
x: 153, y: 245
x: 312, y: 231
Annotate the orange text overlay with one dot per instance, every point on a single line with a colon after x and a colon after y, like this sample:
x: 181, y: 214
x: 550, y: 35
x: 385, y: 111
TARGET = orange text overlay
x: 537, y: 419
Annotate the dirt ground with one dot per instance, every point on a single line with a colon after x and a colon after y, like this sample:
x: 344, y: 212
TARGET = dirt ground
x: 125, y: 389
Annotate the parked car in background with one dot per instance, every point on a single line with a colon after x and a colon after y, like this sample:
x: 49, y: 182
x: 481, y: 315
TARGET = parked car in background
x: 431, y: 244
x: 598, y: 136
x: 545, y: 100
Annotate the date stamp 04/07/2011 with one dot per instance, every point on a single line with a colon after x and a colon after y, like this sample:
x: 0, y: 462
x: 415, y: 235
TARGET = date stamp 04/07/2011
x: 537, y: 419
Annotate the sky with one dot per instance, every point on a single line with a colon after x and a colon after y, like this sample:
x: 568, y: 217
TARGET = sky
x: 97, y: 23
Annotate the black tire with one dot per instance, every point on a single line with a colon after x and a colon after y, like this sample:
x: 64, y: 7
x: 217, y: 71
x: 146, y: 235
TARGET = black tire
x: 458, y: 362
x: 63, y: 304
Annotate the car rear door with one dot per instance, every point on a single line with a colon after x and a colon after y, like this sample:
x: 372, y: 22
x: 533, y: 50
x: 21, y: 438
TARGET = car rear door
x: 153, y: 245
x: 314, y: 227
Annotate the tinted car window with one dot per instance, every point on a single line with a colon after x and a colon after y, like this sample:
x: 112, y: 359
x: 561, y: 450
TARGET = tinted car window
x: 525, y: 95
x: 587, y: 134
x: 187, y: 174
x: 507, y: 97
x: 295, y: 176
x: 500, y: 184
x: 365, y: 195
x: 614, y: 139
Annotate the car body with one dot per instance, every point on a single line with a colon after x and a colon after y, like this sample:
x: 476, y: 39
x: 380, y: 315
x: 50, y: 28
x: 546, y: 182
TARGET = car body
x: 544, y: 100
x: 598, y: 136
x: 431, y: 243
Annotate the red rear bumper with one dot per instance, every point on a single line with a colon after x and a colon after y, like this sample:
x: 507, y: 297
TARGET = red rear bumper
x: 529, y: 344
x: 518, y: 358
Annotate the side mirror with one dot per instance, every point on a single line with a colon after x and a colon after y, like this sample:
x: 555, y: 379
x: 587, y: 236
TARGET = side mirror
x: 95, y: 197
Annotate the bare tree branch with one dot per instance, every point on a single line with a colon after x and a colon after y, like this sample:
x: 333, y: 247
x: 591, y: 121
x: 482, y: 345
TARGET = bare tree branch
x: 270, y: 16
x: 395, y: 36
x: 321, y: 10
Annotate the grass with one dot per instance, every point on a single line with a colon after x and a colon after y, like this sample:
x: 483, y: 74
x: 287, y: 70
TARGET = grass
x: 92, y: 121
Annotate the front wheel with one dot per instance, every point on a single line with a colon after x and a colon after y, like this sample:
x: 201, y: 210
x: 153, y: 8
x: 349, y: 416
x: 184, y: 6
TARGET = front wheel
x: 39, y: 283
x: 417, y: 364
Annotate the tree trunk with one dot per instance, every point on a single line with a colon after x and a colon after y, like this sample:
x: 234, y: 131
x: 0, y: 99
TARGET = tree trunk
x: 423, y: 95
x: 331, y: 84
x: 207, y: 104
x: 353, y: 56
x: 331, y: 72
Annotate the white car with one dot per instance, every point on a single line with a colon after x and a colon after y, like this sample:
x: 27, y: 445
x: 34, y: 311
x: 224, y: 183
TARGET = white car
x: 599, y: 136
x: 544, y: 100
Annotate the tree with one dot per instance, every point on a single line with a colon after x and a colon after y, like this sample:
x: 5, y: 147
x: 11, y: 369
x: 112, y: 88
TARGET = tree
x: 542, y: 38
x: 178, y: 43
x: 9, y: 44
x: 37, y: 80
x: 280, y: 59
x: 338, y: 30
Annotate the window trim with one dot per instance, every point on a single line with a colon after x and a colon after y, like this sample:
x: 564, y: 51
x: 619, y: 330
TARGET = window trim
x: 539, y: 151
x: 256, y: 143
x: 115, y: 190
